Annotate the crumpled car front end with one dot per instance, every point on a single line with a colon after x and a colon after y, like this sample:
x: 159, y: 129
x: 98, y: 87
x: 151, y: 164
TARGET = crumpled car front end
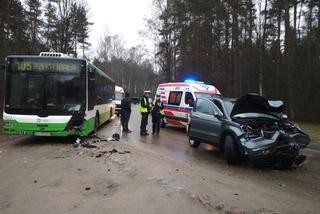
x: 267, y: 135
x: 280, y: 145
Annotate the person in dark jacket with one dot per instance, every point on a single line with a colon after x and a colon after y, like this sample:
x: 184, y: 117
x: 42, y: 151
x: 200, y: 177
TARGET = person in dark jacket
x: 144, y: 109
x: 156, y: 112
x: 126, y: 112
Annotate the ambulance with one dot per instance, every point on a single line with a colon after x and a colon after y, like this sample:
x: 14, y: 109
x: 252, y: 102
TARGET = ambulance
x: 119, y: 95
x: 179, y: 98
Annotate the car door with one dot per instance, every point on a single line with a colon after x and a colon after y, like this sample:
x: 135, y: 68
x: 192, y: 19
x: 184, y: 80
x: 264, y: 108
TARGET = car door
x: 204, y: 124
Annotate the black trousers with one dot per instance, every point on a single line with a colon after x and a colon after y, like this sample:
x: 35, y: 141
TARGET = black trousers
x: 125, y: 117
x: 144, y: 123
x: 156, y: 119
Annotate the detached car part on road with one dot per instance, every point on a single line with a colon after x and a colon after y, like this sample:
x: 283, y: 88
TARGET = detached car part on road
x: 250, y: 127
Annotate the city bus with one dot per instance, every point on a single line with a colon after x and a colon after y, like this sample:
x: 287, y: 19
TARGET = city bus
x: 55, y: 95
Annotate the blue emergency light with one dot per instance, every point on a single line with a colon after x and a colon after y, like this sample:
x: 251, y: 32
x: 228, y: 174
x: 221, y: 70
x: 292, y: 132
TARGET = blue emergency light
x: 192, y: 81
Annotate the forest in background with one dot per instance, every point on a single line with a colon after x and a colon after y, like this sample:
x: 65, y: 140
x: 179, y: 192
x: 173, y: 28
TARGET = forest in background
x: 29, y: 27
x: 270, y: 47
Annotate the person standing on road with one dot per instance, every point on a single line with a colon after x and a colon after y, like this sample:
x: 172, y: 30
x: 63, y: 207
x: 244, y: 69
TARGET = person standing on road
x: 125, y: 112
x: 156, y: 112
x: 144, y: 109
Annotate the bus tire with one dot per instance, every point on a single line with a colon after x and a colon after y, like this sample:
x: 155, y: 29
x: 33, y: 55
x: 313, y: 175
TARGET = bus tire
x: 96, y: 123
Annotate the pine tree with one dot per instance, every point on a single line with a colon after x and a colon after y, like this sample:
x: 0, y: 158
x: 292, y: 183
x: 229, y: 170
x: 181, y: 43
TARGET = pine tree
x: 34, y: 24
x: 50, y: 27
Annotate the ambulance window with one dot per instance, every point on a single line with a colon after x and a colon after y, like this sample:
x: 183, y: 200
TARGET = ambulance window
x: 175, y: 98
x: 189, y: 100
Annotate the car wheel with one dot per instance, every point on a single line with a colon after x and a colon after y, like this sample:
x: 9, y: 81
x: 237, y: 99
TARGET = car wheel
x: 231, y: 151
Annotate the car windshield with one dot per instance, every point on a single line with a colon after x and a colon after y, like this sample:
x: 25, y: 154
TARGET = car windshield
x: 35, y: 88
x: 118, y: 96
x: 229, y: 106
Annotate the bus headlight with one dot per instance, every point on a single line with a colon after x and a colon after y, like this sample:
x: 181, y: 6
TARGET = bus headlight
x: 7, y: 124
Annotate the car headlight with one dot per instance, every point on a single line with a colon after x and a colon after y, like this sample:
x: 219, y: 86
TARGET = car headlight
x: 243, y: 139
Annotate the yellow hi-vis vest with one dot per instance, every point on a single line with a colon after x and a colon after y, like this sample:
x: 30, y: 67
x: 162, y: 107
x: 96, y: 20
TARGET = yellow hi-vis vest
x: 143, y: 109
x: 154, y: 103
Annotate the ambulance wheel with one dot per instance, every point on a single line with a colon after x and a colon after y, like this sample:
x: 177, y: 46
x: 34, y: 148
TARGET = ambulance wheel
x: 193, y: 143
x: 162, y: 123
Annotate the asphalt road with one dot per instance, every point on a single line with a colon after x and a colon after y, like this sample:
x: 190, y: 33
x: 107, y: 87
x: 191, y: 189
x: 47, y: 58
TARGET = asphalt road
x: 162, y: 174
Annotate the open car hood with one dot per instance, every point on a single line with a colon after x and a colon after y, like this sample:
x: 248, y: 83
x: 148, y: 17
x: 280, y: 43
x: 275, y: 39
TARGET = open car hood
x: 254, y: 103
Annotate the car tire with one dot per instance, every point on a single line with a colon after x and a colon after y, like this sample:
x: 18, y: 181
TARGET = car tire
x: 231, y: 151
x: 193, y: 143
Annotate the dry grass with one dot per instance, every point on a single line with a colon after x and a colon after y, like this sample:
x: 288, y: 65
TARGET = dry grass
x: 313, y: 130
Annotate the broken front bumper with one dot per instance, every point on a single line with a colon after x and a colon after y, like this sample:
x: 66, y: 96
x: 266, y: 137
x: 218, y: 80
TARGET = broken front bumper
x: 280, y: 147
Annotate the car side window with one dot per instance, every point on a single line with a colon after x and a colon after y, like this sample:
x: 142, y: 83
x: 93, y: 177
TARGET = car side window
x: 217, y: 109
x: 204, y: 106
x: 175, y: 98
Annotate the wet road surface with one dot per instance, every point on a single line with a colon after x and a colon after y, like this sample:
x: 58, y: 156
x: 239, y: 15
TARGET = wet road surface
x: 45, y: 167
x: 172, y: 143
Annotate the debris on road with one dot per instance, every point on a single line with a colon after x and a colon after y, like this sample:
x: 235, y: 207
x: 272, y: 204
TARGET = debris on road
x: 163, y: 182
x: 110, y: 152
x: 77, y: 143
x: 88, y: 188
x: 88, y: 145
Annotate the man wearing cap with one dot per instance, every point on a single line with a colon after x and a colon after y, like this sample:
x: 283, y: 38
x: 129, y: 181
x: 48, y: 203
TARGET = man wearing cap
x: 156, y: 112
x: 144, y: 109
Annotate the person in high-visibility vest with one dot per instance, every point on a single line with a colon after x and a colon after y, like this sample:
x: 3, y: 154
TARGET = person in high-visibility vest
x: 156, y: 112
x: 144, y: 109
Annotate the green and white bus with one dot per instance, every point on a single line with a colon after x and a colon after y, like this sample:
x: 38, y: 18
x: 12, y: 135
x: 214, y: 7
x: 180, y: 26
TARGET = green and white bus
x: 55, y: 95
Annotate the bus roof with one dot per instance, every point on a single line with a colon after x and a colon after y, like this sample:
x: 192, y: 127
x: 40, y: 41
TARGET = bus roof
x: 41, y: 57
x: 100, y: 72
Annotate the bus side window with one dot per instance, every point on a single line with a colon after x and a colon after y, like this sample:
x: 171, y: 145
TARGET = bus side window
x: 175, y: 98
x: 91, y: 91
x: 189, y: 100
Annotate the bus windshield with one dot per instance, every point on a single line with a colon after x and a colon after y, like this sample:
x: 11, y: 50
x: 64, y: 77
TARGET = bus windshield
x: 55, y: 86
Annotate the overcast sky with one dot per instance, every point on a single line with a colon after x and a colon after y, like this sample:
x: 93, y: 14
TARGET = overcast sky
x: 126, y: 17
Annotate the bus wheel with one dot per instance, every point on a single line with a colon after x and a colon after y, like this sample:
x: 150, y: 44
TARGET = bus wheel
x: 96, y: 123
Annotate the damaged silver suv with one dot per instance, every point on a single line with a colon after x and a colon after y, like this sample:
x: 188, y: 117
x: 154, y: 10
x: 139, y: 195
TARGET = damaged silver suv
x: 249, y: 128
